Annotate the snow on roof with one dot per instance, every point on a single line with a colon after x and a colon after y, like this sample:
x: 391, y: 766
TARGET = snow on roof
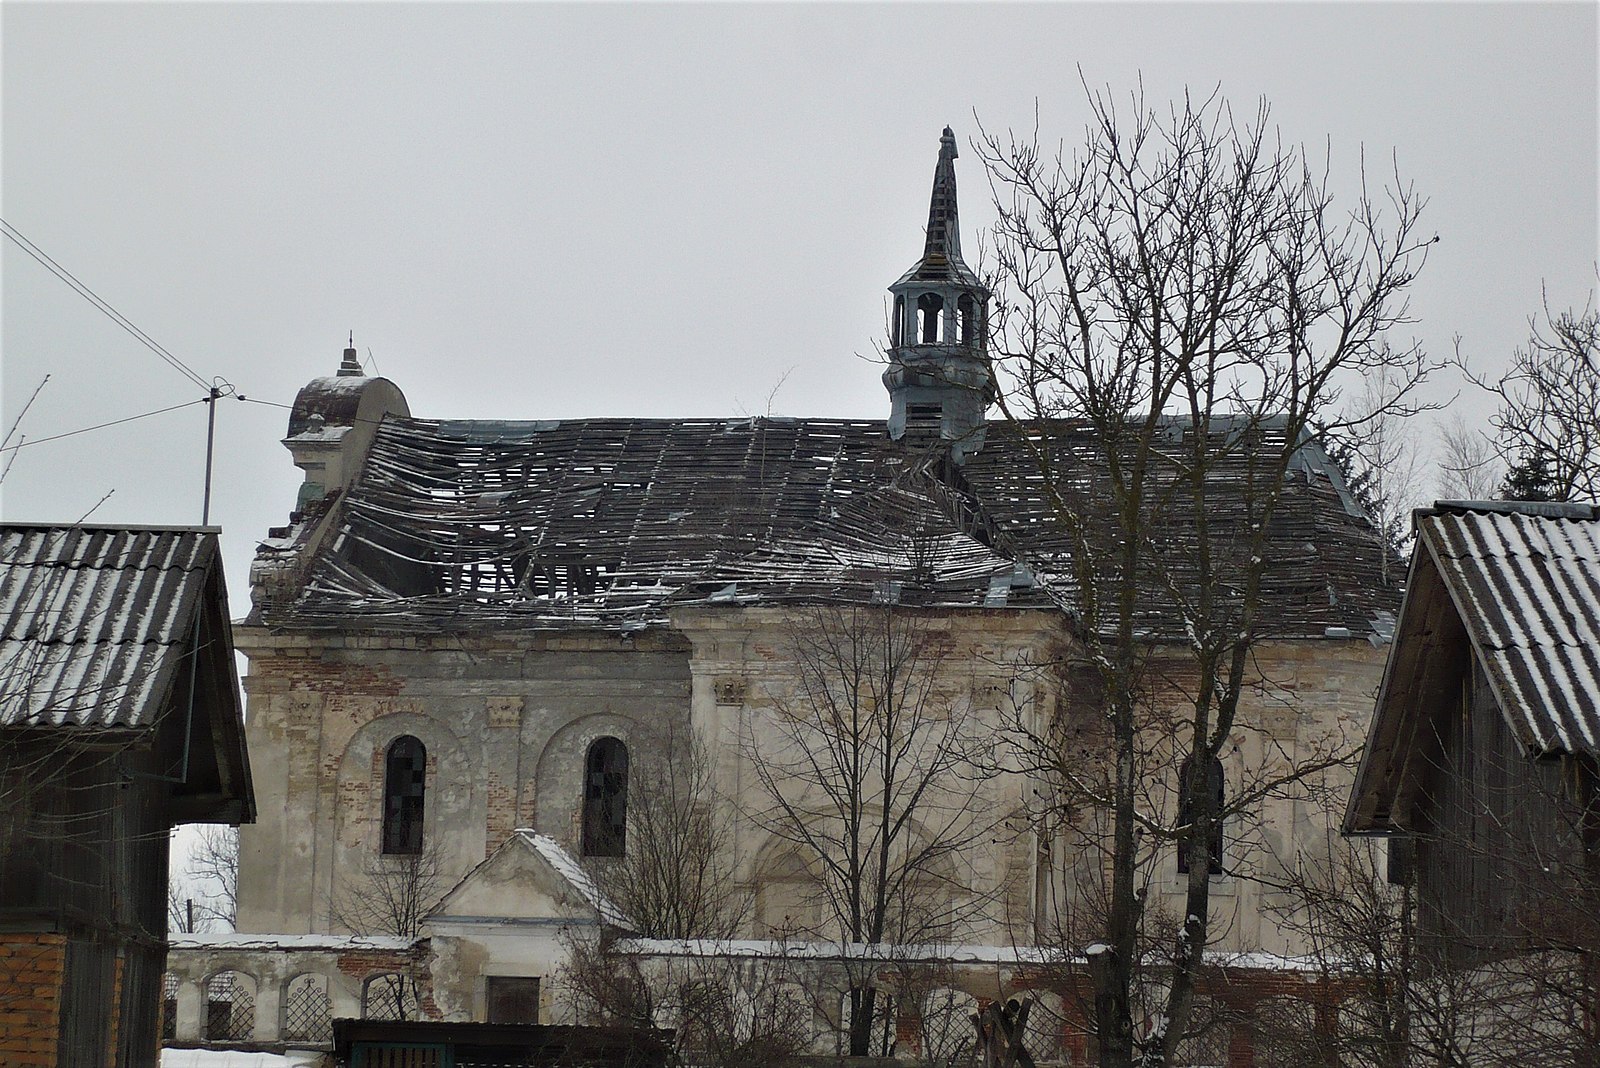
x: 327, y: 433
x: 934, y: 952
x: 570, y: 870
x: 246, y: 940
x: 1525, y: 580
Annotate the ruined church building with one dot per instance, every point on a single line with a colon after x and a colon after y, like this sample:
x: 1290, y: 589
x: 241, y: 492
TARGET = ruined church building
x: 470, y: 629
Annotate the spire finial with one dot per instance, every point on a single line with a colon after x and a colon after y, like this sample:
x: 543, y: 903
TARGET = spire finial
x: 944, y: 228
x: 351, y: 365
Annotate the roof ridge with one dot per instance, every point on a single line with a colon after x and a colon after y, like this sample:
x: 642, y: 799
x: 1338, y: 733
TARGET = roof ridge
x: 1539, y: 509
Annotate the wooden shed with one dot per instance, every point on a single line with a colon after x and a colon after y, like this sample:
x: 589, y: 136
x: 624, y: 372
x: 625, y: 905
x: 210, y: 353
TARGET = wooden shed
x: 119, y: 718
x: 1482, y: 755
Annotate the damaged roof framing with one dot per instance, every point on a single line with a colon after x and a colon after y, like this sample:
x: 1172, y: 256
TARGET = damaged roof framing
x: 611, y: 523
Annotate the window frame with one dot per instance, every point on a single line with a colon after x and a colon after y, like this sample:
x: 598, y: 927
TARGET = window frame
x: 405, y: 804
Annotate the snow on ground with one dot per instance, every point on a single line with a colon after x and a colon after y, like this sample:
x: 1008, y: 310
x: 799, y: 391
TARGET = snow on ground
x: 228, y: 1058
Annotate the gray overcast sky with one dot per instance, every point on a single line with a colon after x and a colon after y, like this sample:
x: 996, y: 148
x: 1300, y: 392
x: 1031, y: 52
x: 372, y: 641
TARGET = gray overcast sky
x: 538, y: 211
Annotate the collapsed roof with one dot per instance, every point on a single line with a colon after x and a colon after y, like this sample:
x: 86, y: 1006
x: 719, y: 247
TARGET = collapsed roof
x: 470, y: 525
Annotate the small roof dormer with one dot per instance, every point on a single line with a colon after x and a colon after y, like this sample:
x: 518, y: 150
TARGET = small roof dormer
x: 939, y: 379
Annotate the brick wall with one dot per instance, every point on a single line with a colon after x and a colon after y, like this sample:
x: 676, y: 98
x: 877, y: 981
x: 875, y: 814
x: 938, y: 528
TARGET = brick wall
x: 115, y: 1008
x: 30, y: 993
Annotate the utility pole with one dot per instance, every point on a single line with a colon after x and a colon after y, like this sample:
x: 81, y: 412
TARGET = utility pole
x: 211, y: 437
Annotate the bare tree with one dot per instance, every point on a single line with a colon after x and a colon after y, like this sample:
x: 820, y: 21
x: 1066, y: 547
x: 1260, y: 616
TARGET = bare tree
x: 1469, y: 468
x: 675, y: 882
x: 1549, y: 403
x: 725, y: 1012
x: 1408, y: 989
x: 214, y: 865
x: 390, y: 895
x: 675, y: 878
x: 181, y: 918
x: 1183, y: 291
x: 866, y: 767
x: 1383, y: 463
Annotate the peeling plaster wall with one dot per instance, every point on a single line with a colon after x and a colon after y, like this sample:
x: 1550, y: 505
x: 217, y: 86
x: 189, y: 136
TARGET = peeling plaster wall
x: 745, y: 674
x: 505, y: 721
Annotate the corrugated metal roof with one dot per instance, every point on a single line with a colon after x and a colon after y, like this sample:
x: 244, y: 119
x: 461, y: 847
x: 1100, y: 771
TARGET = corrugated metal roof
x: 93, y: 621
x: 1527, y: 587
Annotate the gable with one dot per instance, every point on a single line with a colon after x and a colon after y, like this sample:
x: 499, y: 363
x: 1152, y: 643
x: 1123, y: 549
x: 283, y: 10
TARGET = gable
x: 1527, y: 588
x: 126, y: 630
x: 1515, y: 589
x: 526, y: 880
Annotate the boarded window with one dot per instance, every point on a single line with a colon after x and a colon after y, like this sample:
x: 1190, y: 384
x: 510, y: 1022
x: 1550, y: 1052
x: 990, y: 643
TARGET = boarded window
x: 924, y: 420
x: 605, y: 799
x: 404, y: 784
x: 512, y: 999
x: 1216, y: 788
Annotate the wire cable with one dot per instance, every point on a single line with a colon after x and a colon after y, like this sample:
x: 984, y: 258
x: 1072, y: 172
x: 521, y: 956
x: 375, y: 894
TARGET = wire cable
x: 102, y: 426
x: 44, y: 260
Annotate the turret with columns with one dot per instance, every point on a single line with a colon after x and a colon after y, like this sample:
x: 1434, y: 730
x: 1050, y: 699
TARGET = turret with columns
x: 939, y: 379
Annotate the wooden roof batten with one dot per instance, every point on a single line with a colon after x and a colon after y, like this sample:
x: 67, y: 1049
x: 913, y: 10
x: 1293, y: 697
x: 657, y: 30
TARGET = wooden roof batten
x: 612, y: 523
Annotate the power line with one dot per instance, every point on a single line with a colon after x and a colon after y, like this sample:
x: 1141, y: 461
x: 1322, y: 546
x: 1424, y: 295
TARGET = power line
x: 289, y: 408
x: 102, y: 426
x: 44, y: 260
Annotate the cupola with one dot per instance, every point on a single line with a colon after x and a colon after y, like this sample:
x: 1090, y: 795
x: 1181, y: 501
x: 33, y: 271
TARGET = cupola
x: 939, y: 379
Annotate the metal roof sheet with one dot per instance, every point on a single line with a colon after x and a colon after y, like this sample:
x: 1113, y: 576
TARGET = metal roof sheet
x: 1527, y: 587
x: 93, y: 621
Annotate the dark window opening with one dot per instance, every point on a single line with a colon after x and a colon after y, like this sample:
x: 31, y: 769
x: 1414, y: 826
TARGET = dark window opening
x: 897, y: 328
x: 512, y: 999
x: 966, y: 318
x: 605, y: 799
x: 930, y: 308
x: 1217, y: 789
x: 1402, y: 856
x: 404, y: 784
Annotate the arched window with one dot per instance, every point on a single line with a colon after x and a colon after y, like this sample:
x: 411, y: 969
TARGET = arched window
x: 897, y: 328
x: 930, y: 309
x: 605, y: 799
x: 405, y: 780
x: 307, y: 1009
x: 390, y: 996
x: 1214, y: 786
x: 230, y: 1014
x: 966, y: 317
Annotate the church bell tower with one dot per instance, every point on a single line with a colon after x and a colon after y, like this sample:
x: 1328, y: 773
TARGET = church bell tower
x: 939, y: 379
